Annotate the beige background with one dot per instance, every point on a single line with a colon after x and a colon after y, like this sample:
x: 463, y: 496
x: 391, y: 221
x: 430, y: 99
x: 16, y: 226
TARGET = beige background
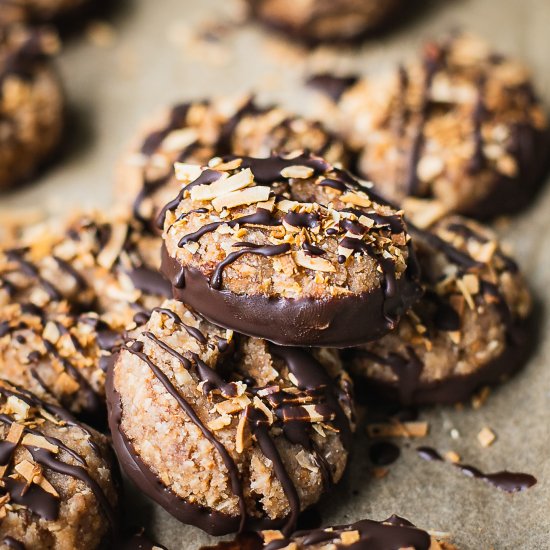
x: 152, y: 61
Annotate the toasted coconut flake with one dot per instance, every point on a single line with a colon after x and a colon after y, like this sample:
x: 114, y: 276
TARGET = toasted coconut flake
x: 111, y: 251
x: 350, y: 537
x: 452, y: 456
x: 259, y: 404
x: 32, y: 440
x: 357, y: 199
x: 187, y: 172
x: 486, y: 437
x: 398, y: 429
x: 179, y: 139
x: 306, y: 462
x: 241, y: 426
x: 219, y: 423
x: 223, y: 186
x: 14, y: 436
x: 270, y: 535
x: 297, y: 171
x: 225, y: 166
x: 18, y: 407
x: 313, y: 262
x: 242, y: 197
x: 430, y: 167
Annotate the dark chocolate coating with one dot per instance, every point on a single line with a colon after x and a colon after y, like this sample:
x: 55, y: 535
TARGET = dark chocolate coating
x: 456, y: 389
x: 338, y: 322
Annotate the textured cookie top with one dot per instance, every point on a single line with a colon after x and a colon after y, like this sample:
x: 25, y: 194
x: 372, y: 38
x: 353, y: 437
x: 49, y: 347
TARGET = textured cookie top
x: 473, y: 311
x: 395, y: 532
x: 57, y: 487
x: 59, y: 355
x: 226, y: 429
x: 93, y: 262
x: 65, y: 296
x: 455, y: 125
x: 288, y: 226
x: 197, y: 131
x: 22, y: 53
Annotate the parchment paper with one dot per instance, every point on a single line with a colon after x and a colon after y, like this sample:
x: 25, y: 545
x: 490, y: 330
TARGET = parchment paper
x: 152, y: 61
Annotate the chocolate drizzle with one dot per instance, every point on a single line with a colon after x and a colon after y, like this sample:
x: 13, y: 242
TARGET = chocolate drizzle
x: 229, y: 463
x: 247, y: 248
x: 33, y: 496
x: 312, y: 382
x: 438, y: 314
x: 394, y: 533
x: 509, y: 482
x: 10, y: 542
x: 331, y: 85
x: 395, y: 291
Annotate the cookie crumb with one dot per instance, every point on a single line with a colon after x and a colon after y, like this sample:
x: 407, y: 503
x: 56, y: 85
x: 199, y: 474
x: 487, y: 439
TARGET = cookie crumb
x: 486, y: 437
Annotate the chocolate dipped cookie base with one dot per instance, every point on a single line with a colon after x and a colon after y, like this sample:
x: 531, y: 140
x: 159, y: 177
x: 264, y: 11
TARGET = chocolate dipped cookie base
x: 286, y: 321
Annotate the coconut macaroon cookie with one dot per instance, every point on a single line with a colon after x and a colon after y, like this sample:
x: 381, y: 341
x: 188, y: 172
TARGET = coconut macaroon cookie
x: 98, y: 262
x: 226, y: 431
x: 58, y: 489
x: 195, y: 132
x: 32, y: 11
x: 395, y: 533
x: 469, y: 329
x: 460, y: 127
x: 31, y: 103
x: 58, y: 356
x: 66, y: 297
x: 314, y: 21
x: 289, y: 249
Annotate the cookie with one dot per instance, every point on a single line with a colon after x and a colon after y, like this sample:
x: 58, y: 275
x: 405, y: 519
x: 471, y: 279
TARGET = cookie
x: 461, y: 127
x: 93, y: 261
x: 34, y: 11
x: 58, y: 487
x: 470, y: 329
x: 394, y: 533
x: 318, y: 21
x: 287, y: 248
x: 31, y: 103
x: 65, y: 299
x: 195, y: 132
x: 226, y: 431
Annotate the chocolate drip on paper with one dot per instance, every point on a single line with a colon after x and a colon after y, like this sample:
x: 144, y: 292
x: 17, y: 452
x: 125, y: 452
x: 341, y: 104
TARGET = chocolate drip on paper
x: 394, y: 533
x: 509, y: 482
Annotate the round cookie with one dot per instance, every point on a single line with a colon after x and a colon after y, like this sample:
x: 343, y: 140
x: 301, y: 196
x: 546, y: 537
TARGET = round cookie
x: 461, y: 127
x: 33, y: 11
x: 195, y: 132
x: 65, y: 299
x: 315, y: 21
x: 226, y: 431
x: 58, y: 356
x: 289, y: 249
x: 58, y: 487
x: 395, y: 533
x: 470, y: 329
x: 31, y: 103
x: 93, y: 261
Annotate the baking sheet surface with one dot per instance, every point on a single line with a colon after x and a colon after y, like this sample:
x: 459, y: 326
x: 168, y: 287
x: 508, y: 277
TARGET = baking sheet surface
x: 114, y: 81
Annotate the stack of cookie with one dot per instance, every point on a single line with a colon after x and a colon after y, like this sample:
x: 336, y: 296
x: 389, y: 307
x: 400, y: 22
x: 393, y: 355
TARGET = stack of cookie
x: 219, y: 314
